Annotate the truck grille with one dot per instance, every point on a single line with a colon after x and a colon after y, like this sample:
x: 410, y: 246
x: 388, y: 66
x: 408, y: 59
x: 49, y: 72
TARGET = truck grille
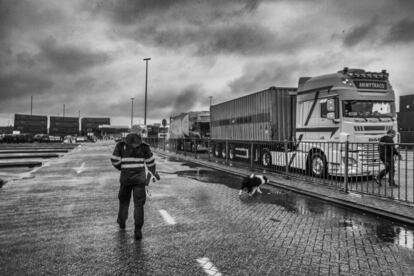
x: 369, y: 157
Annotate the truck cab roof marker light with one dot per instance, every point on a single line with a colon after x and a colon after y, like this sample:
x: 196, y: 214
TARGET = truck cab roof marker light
x: 362, y: 74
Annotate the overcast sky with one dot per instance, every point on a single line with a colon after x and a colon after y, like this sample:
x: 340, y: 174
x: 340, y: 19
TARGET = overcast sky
x: 88, y: 54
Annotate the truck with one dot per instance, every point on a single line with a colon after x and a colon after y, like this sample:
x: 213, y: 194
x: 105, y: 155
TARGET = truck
x: 188, y: 128
x: 309, y: 127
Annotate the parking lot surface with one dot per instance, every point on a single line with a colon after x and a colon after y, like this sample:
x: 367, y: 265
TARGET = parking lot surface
x: 62, y: 221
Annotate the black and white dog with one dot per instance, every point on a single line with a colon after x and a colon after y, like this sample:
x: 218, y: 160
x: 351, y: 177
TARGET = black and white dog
x: 252, y: 184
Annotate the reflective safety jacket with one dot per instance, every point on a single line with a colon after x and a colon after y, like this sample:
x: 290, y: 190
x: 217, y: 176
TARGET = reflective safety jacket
x: 131, y: 160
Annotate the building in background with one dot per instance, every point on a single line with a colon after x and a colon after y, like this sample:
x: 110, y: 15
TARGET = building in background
x: 63, y: 126
x: 90, y: 126
x: 30, y: 124
x: 6, y: 129
x: 405, y: 119
x: 113, y: 132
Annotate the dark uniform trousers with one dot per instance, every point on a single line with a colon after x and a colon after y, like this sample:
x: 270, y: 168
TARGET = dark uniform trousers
x: 389, y: 168
x: 139, y: 197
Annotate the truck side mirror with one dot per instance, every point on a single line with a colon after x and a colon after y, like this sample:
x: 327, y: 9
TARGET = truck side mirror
x: 330, y: 115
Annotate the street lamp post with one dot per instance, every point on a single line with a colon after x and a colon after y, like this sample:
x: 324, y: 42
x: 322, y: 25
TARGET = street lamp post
x: 132, y: 110
x: 146, y: 86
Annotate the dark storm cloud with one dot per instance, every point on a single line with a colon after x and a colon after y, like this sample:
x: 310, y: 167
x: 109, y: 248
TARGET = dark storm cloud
x: 401, y: 32
x: 20, y: 85
x: 241, y: 38
x: 160, y: 104
x: 70, y: 58
x: 127, y: 12
x: 187, y: 98
x: 25, y: 15
x: 203, y: 27
x: 257, y: 77
x: 360, y: 33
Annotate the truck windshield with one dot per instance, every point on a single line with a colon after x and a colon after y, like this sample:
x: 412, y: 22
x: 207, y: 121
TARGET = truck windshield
x: 368, y: 109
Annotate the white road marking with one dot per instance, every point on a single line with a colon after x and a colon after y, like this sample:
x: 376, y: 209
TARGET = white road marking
x: 80, y: 169
x: 168, y: 219
x: 208, y: 266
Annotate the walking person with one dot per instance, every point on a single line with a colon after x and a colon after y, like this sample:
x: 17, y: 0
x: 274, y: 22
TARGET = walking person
x: 387, y: 151
x: 130, y: 157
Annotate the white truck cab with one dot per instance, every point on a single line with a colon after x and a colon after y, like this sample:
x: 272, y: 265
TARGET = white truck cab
x: 351, y: 106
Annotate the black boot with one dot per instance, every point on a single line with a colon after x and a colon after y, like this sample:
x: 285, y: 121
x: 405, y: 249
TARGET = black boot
x: 121, y: 224
x: 138, y: 234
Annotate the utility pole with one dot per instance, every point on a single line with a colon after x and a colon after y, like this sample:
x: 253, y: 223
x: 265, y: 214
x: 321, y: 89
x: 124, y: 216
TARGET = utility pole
x: 146, y: 86
x: 63, y: 110
x: 132, y: 110
x: 211, y: 100
x: 79, y: 129
x: 31, y: 105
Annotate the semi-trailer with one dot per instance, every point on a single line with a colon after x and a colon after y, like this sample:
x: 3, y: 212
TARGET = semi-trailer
x: 188, y: 127
x: 329, y: 124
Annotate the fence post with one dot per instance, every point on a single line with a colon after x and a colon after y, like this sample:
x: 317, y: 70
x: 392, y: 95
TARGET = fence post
x: 209, y: 149
x: 227, y: 152
x: 346, y: 166
x: 251, y: 155
x: 176, y: 145
x: 286, y: 158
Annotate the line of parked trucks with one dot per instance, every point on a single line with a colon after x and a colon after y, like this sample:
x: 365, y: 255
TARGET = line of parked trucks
x: 303, y: 123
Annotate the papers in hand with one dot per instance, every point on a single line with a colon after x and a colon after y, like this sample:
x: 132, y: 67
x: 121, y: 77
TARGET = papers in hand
x: 152, y: 177
x: 147, y: 191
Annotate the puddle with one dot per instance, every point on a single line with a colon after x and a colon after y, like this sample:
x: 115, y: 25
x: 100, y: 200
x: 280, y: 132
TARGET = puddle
x: 362, y: 224
x: 211, y: 176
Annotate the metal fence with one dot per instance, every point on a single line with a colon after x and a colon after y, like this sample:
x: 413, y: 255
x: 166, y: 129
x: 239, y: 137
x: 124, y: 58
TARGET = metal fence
x: 351, y: 167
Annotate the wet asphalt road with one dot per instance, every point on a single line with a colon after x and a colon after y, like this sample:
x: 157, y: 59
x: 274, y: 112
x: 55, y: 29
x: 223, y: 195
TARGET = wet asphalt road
x: 61, y: 221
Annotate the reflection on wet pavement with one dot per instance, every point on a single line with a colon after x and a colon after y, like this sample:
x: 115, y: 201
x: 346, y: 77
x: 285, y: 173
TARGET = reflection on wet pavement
x: 363, y: 224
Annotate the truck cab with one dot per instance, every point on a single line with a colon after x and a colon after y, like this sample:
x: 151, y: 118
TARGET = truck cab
x: 353, y: 106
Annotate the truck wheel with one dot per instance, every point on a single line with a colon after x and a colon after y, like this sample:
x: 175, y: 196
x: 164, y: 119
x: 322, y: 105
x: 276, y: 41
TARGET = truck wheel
x: 317, y: 165
x: 231, y: 153
x: 266, y: 158
x: 223, y: 152
x: 217, y: 151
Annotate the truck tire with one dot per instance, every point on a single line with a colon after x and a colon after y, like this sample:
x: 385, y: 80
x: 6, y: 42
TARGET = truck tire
x: 266, y: 158
x: 231, y: 153
x: 223, y: 152
x: 317, y: 165
x: 217, y: 150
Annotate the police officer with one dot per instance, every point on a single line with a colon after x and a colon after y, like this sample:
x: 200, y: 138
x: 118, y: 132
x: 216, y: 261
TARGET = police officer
x: 130, y: 156
x: 387, y: 151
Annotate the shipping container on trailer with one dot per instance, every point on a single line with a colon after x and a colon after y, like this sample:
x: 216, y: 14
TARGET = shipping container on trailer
x: 267, y: 115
